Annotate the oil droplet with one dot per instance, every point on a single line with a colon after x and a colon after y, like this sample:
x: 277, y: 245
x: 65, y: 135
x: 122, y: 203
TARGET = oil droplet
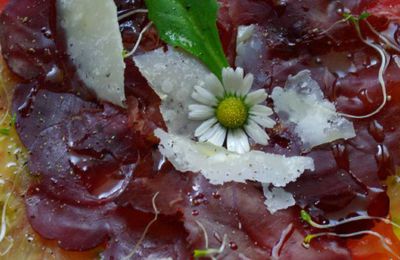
x: 376, y: 130
x: 364, y: 96
x: 233, y: 245
x: 384, y: 161
x: 216, y: 195
x: 46, y: 32
x: 55, y: 75
x: 341, y: 156
x: 29, y: 237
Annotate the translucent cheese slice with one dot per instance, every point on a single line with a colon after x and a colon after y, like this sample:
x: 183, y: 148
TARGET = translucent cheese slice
x: 315, y: 119
x: 173, y: 75
x: 219, y: 165
x: 277, y: 199
x: 94, y: 44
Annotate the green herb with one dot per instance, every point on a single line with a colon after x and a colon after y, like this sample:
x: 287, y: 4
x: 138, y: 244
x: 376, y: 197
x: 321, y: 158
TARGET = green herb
x: 356, y: 19
x: 363, y: 16
x: 205, y: 252
x: 5, y: 131
x: 305, y: 216
x: 190, y: 25
x: 13, y: 120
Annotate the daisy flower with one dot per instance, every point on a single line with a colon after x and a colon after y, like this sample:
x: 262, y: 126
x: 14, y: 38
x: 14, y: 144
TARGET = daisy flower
x: 230, y: 112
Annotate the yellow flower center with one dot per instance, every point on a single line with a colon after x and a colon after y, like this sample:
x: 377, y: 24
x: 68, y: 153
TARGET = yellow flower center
x: 232, y: 112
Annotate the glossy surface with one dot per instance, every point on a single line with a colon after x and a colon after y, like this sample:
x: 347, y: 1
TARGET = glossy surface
x: 98, y: 171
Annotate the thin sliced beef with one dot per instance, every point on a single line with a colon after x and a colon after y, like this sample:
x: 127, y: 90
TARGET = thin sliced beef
x: 26, y: 38
x: 98, y: 168
x: 82, y: 227
x: 234, y: 210
x: 348, y: 174
x: 165, y: 237
x: 83, y: 152
x: 75, y: 227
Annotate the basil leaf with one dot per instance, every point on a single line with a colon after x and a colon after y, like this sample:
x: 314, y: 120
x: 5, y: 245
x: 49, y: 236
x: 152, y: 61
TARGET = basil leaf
x: 190, y: 25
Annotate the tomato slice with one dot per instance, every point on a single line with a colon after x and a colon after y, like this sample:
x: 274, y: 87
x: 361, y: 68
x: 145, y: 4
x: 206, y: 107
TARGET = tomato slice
x: 371, y: 248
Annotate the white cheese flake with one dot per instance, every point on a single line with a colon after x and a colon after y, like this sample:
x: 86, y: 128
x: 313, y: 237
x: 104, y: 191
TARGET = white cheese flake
x: 173, y: 75
x: 315, y: 119
x: 219, y: 165
x: 94, y: 44
x: 277, y: 199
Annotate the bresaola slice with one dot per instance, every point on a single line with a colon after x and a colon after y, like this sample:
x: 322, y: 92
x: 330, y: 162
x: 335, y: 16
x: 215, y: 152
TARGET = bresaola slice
x: 234, y: 210
x: 308, y: 191
x: 26, y: 37
x: 75, y: 227
x: 83, y: 152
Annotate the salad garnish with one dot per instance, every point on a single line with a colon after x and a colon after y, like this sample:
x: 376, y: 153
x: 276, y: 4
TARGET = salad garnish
x: 230, y: 111
x: 190, y: 25
x: 385, y: 57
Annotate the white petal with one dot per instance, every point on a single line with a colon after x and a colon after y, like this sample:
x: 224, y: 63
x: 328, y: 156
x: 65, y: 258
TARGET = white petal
x: 263, y: 121
x: 233, y: 80
x: 213, y: 84
x: 219, y: 136
x: 202, y: 129
x: 209, y: 133
x: 260, y: 110
x: 256, y: 133
x: 247, y: 83
x: 200, y: 112
x: 238, y: 141
x: 204, y: 96
x: 256, y: 97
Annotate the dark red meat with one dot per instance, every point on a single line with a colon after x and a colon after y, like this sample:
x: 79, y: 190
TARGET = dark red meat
x: 26, y: 37
x: 98, y: 168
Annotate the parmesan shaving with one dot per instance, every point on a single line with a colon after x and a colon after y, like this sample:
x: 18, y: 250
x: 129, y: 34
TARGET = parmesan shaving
x: 94, y: 44
x: 277, y: 199
x: 219, y: 165
x: 315, y: 119
x: 173, y: 75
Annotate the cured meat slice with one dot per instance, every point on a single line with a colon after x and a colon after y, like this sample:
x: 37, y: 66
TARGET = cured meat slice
x: 165, y: 237
x: 75, y: 227
x: 27, y: 38
x: 91, y: 190
x: 83, y: 152
x: 348, y: 169
x: 37, y: 110
x: 234, y: 210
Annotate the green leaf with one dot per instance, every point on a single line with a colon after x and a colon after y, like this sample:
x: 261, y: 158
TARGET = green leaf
x: 364, y: 16
x: 190, y: 25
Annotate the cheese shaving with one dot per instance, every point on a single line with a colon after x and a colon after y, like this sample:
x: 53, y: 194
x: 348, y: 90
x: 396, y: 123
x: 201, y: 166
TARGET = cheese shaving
x: 94, y: 44
x: 219, y: 165
x: 315, y: 119
x: 173, y: 75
